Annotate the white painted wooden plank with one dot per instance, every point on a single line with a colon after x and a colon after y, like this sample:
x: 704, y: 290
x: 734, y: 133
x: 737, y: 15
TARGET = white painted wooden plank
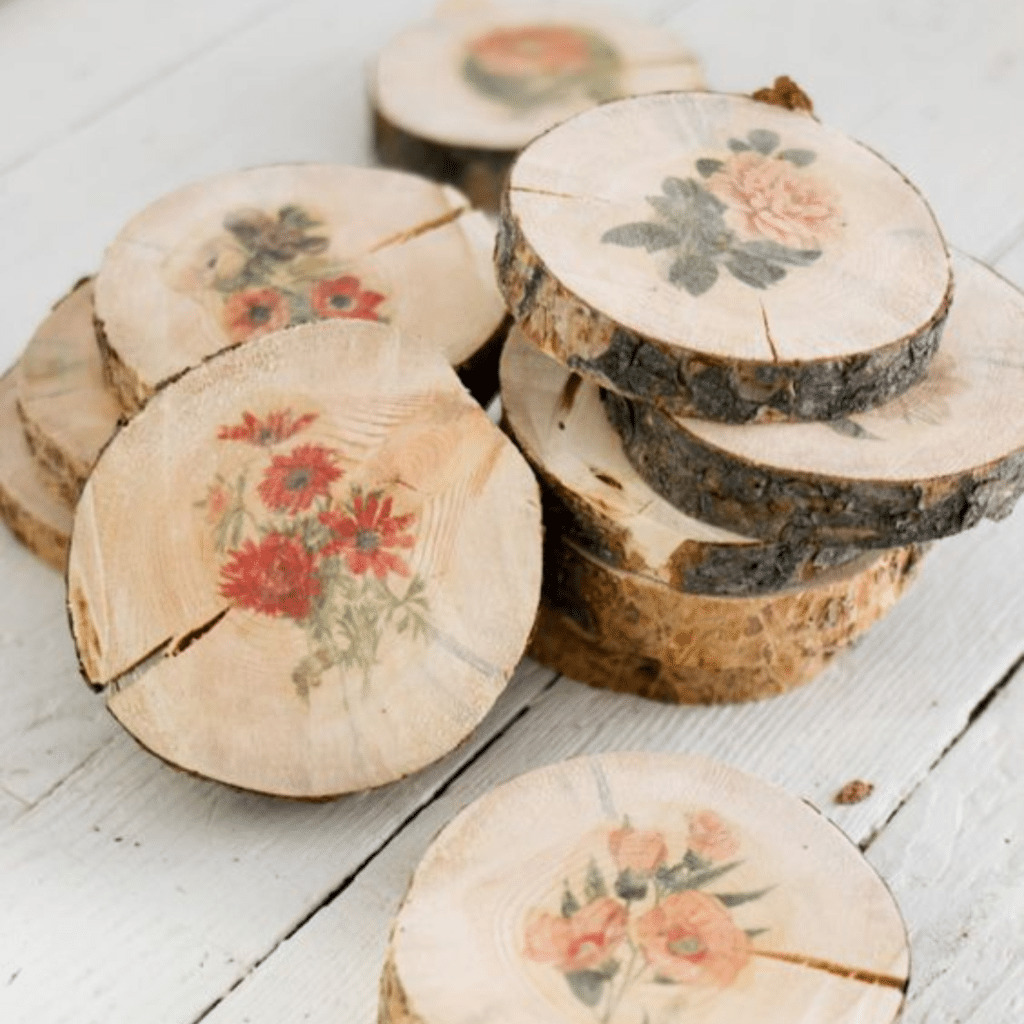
x: 884, y: 712
x: 954, y: 856
x: 51, y: 722
x: 141, y: 894
x: 62, y: 64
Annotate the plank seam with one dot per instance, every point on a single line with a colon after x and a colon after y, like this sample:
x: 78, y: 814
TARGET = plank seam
x: 373, y: 854
x: 975, y: 713
x: 81, y: 766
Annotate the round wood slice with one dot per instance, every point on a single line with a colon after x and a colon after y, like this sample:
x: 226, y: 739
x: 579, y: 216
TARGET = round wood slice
x: 928, y: 464
x: 40, y: 520
x: 67, y: 410
x: 624, y: 632
x: 628, y: 888
x: 594, y: 496
x: 298, y: 541
x: 456, y: 98
x: 238, y: 256
x: 736, y: 260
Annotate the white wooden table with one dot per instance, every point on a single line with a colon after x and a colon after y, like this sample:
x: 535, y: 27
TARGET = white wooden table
x: 129, y: 892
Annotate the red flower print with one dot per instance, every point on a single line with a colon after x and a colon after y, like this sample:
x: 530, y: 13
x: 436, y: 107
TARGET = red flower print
x: 293, y: 481
x: 532, y: 50
x: 691, y: 938
x: 217, y: 502
x: 710, y: 837
x: 343, y: 297
x: 639, y: 852
x: 578, y: 943
x: 773, y: 199
x: 365, y: 537
x: 275, y: 577
x: 277, y: 427
x: 255, y: 312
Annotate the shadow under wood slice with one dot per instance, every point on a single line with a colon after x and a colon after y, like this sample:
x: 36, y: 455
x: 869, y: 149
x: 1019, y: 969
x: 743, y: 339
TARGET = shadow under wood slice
x: 316, y: 519
x: 731, y: 260
x: 928, y: 464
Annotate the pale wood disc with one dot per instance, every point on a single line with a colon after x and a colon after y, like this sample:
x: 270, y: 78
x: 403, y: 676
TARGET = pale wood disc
x: 237, y: 256
x: 631, y: 887
x: 594, y: 496
x: 302, y: 536
x: 67, y: 410
x: 736, y: 260
x: 39, y: 519
x: 928, y: 464
x: 624, y: 632
x: 455, y: 98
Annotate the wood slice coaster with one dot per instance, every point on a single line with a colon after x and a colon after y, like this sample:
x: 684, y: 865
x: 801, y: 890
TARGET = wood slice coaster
x: 238, y: 256
x: 595, y: 497
x: 67, y: 410
x: 735, y: 260
x: 456, y: 98
x: 39, y: 519
x: 317, y: 521
x: 630, y: 888
x: 928, y: 464
x: 621, y: 631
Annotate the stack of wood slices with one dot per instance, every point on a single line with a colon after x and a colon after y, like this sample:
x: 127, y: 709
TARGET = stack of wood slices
x: 741, y: 378
x: 289, y: 512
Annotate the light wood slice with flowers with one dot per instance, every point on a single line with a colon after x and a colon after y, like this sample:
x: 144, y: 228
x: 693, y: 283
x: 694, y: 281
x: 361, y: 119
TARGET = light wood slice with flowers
x: 235, y: 257
x: 622, y: 631
x: 593, y: 495
x: 644, y: 889
x: 733, y: 259
x: 457, y: 97
x: 35, y: 515
x: 928, y: 464
x: 66, y: 408
x: 304, y: 602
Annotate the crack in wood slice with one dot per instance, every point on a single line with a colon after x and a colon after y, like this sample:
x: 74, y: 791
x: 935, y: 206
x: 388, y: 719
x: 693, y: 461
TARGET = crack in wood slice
x: 619, y: 631
x: 438, y: 111
x: 237, y: 256
x: 66, y: 410
x: 692, y: 883
x: 593, y: 496
x: 840, y: 970
x: 665, y: 295
x: 928, y: 464
x: 305, y: 604
x: 39, y: 519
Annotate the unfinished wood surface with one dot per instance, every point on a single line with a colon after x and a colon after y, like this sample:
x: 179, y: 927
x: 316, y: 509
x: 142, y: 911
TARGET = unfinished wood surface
x: 455, y: 98
x: 925, y: 465
x: 169, y: 930
x: 310, y: 575
x: 621, y: 631
x: 632, y: 887
x: 66, y: 409
x: 238, y: 256
x: 594, y: 496
x: 37, y: 517
x: 733, y: 259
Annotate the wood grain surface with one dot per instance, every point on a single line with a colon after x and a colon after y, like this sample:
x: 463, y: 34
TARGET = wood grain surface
x: 139, y: 894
